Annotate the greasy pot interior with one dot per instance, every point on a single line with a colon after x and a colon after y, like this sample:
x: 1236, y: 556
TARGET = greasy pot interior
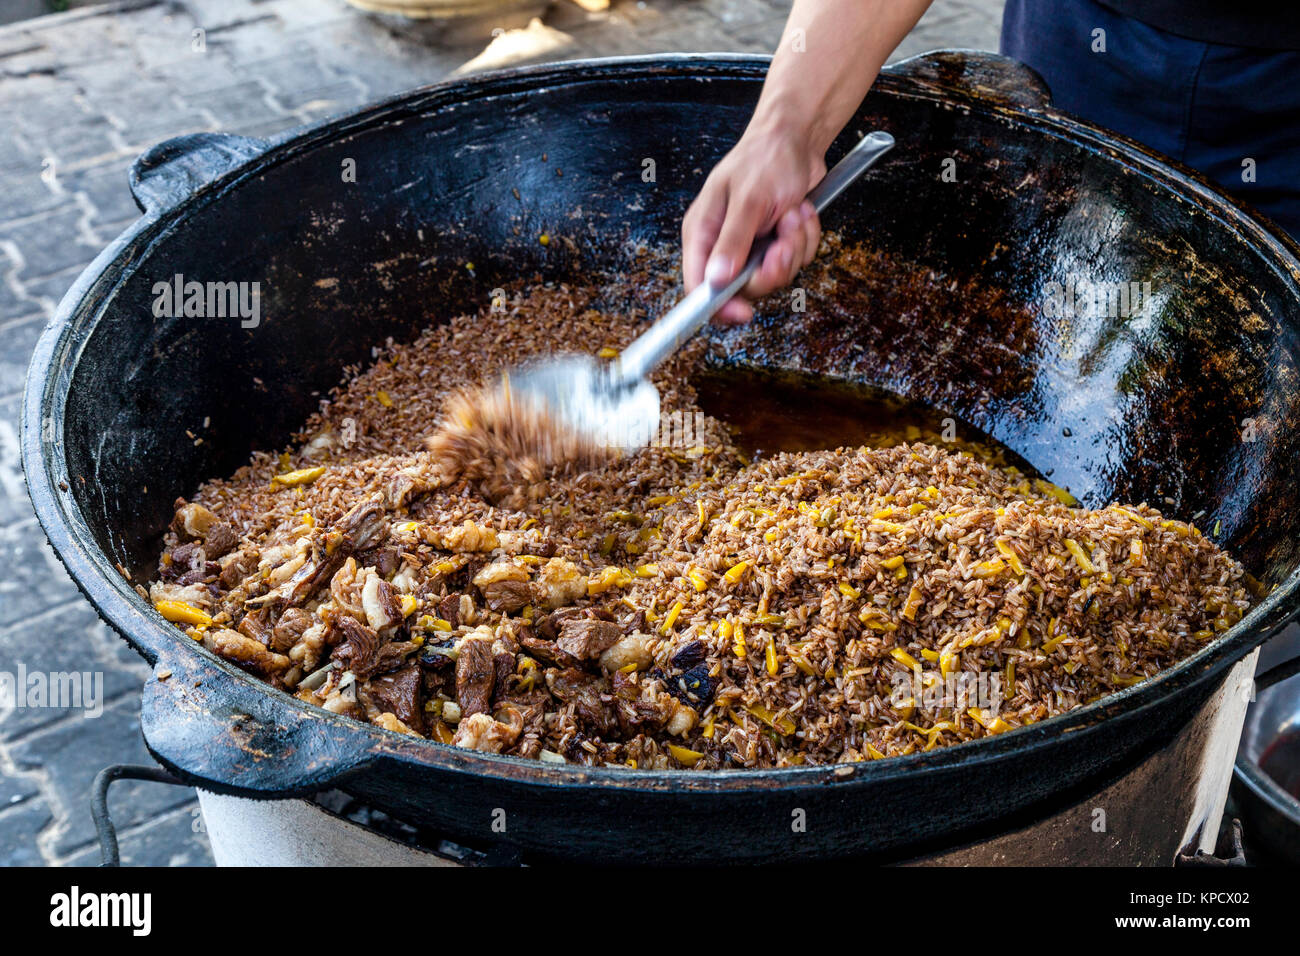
x: 1187, y: 402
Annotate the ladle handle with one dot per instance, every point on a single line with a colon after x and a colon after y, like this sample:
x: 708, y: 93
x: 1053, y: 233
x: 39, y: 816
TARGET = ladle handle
x: 699, y: 305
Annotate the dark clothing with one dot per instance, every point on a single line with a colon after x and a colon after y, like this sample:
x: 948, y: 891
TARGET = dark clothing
x: 1267, y: 25
x: 1210, y: 106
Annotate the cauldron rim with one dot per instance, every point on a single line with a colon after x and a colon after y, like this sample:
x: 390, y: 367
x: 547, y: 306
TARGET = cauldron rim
x: 81, y: 308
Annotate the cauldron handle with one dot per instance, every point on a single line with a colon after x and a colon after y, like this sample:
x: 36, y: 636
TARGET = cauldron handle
x: 171, y: 171
x: 976, y: 74
x: 217, y: 732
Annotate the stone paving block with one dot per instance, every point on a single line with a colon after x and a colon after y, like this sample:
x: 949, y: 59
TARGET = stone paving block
x: 175, y: 839
x: 297, y: 67
x: 74, y: 751
x: 33, y: 581
x: 43, y: 294
x: 170, y: 40
x: 149, y: 130
x: 310, y: 105
x: 218, y: 17
x: 12, y: 304
x: 106, y: 188
x: 196, y: 74
x: 30, y: 60
x: 15, y: 788
x: 70, y: 135
x: 259, y: 41
x: 15, y: 301
x: 392, y: 66
x: 74, y: 641
x: 17, y: 340
x: 311, y: 14
x: 239, y: 105
x: 14, y: 503
x: 20, y: 826
x: 16, y: 40
x: 16, y: 150
x: 51, y: 242
x: 95, y: 35
x: 125, y: 103
x: 20, y: 91
x: 25, y: 193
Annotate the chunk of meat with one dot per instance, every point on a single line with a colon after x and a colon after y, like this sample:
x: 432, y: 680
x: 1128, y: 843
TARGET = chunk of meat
x: 547, y: 652
x: 220, y: 540
x: 379, y: 602
x: 191, y: 520
x: 392, y: 655
x: 208, y: 572
x: 635, y: 649
x: 359, y: 648
x: 255, y: 625
x: 586, y: 693
x: 290, y: 628
x: 183, y: 559
x: 475, y: 676
x: 449, y: 609
x: 485, y: 733
x: 398, y: 693
x: 245, y: 651
x: 466, y: 537
x: 498, y: 571
x: 586, y: 639
x: 507, y: 596
x: 405, y: 485
x: 503, y: 666
x: 384, y: 560
x: 549, y: 626
x: 560, y: 583
x: 364, y: 526
x: 392, y: 722
x: 236, y: 567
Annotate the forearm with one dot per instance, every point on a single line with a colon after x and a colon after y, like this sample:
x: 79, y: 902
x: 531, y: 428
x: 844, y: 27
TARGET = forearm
x: 829, y: 55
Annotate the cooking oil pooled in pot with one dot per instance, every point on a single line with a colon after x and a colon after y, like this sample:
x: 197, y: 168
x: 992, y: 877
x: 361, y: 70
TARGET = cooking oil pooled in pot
x: 770, y: 413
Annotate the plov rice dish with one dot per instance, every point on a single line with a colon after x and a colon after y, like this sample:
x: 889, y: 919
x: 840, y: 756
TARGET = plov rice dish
x: 678, y: 608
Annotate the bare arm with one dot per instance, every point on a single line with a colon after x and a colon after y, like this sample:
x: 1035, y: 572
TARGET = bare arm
x: 829, y: 55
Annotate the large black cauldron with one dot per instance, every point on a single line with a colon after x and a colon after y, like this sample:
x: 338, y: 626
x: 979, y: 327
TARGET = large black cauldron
x: 1192, y: 401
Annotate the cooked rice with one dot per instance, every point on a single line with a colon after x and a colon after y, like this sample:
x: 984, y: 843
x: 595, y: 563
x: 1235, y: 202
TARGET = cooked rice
x: 679, y: 607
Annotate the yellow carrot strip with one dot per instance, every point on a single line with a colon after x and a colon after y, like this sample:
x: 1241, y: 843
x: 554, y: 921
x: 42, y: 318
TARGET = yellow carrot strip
x: 1080, y: 556
x: 178, y: 612
x: 1013, y: 559
x: 736, y: 572
x: 904, y: 658
x: 912, y: 604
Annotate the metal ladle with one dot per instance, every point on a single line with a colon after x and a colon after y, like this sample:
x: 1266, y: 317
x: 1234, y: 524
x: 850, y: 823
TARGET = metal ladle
x: 615, y: 404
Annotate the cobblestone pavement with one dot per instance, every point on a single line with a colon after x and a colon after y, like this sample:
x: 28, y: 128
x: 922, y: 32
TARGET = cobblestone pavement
x: 83, y: 93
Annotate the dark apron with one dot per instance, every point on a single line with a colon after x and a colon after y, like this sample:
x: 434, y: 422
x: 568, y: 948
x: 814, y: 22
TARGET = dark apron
x: 1231, y: 112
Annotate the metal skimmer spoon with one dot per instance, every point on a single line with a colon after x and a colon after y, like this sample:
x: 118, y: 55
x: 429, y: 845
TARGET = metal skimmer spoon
x: 614, y: 404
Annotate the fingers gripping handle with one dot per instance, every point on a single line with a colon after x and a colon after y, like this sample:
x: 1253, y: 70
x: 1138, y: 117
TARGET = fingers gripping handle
x: 702, y: 303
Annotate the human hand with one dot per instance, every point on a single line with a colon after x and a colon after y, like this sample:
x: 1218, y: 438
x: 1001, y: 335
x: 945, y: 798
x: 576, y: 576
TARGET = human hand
x: 757, y: 188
